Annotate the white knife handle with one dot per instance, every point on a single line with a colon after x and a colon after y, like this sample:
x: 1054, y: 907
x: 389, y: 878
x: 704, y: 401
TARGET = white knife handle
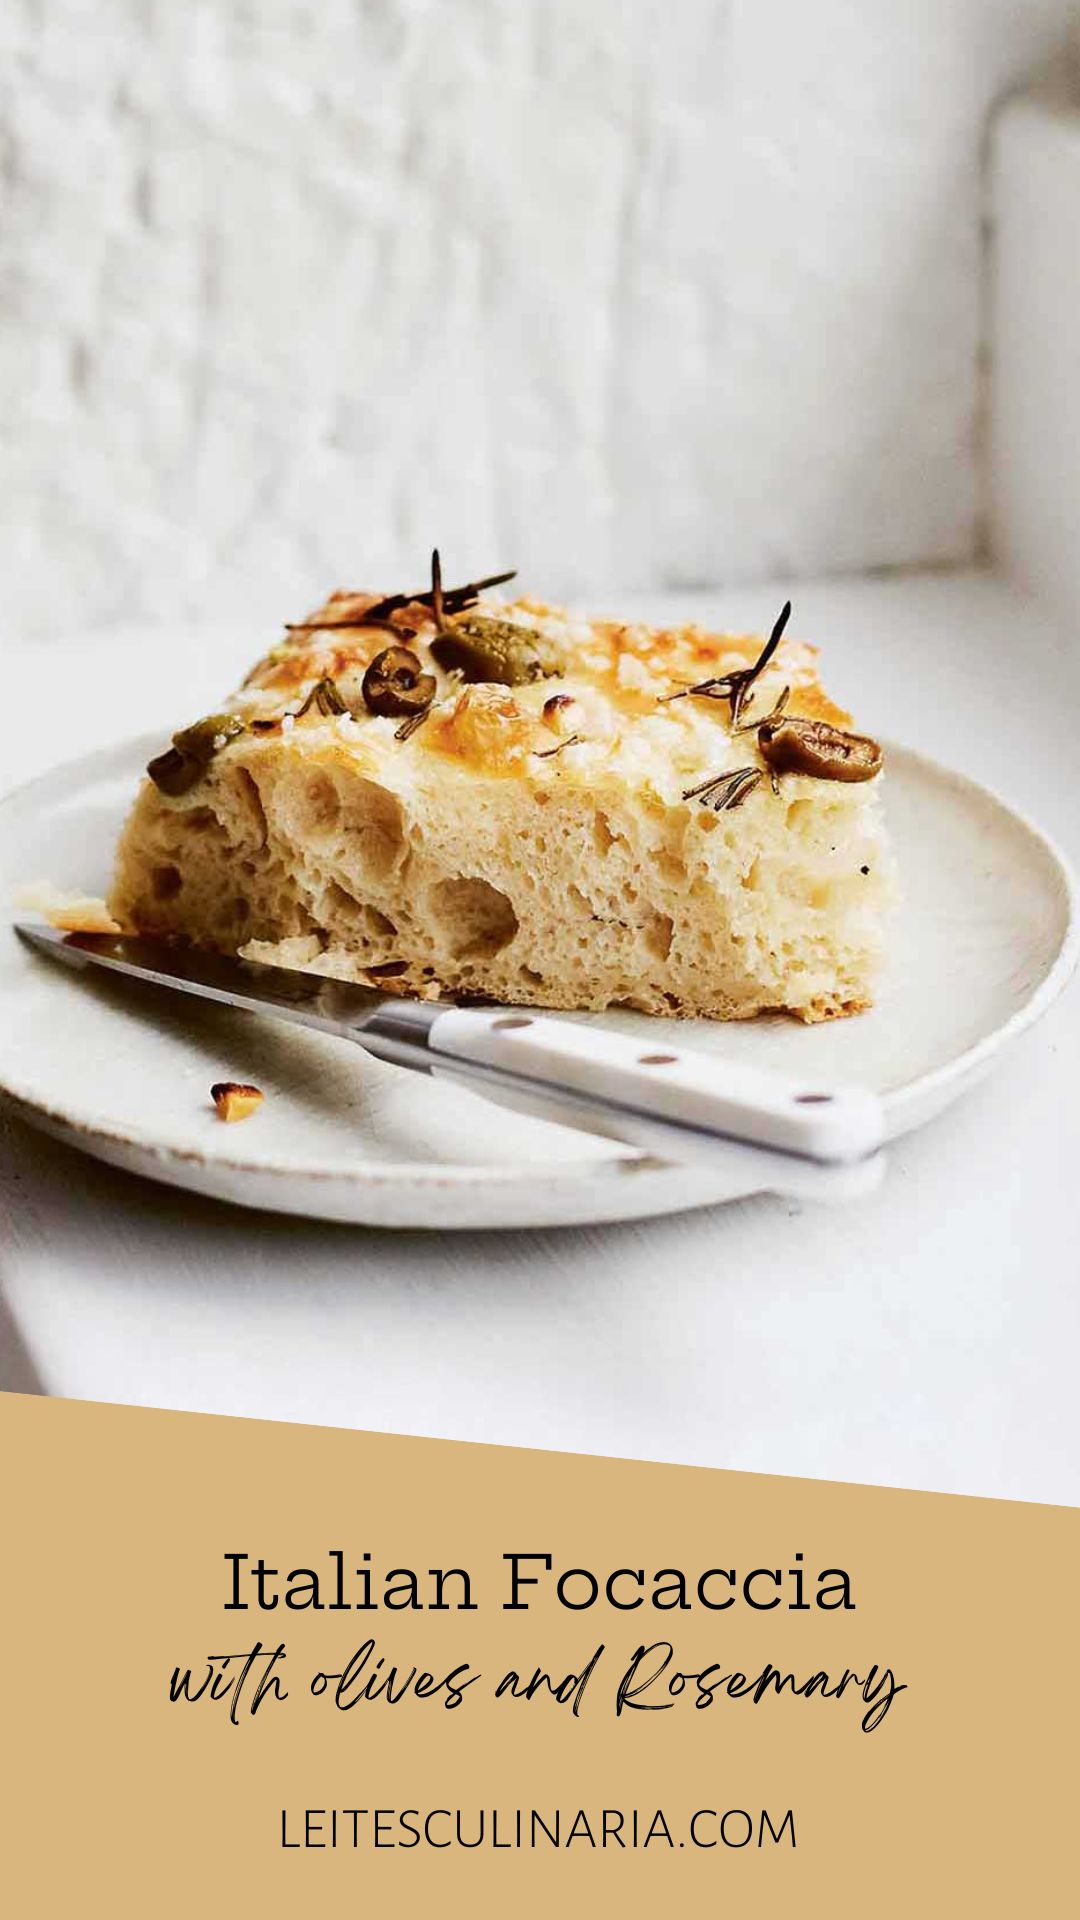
x: 663, y: 1081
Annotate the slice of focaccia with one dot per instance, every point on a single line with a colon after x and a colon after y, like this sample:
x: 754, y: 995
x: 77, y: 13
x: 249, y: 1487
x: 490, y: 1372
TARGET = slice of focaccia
x: 448, y: 794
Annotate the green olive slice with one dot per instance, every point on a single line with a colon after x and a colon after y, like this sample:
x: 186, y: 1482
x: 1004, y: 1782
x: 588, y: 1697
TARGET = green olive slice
x: 183, y: 764
x: 394, y: 685
x: 497, y: 651
x: 173, y: 772
x: 208, y: 736
x: 791, y: 745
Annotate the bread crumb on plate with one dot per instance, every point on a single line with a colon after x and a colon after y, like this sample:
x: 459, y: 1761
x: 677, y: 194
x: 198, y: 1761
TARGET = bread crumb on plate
x: 234, y: 1100
x: 68, y: 912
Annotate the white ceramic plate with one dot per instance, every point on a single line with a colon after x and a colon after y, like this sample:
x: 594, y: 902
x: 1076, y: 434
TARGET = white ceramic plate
x: 985, y: 939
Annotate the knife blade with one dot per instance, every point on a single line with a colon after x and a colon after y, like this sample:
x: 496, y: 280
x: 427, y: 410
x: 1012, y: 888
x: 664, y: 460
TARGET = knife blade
x: 663, y: 1097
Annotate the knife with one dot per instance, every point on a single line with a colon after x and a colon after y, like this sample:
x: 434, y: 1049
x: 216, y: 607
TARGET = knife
x: 671, y: 1100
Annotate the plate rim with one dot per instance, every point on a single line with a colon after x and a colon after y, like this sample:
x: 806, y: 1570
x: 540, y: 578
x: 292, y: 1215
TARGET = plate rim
x: 566, y: 1174
x: 1055, y: 980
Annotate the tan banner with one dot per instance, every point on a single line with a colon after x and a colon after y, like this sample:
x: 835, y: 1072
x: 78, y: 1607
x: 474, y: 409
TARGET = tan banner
x: 259, y: 1669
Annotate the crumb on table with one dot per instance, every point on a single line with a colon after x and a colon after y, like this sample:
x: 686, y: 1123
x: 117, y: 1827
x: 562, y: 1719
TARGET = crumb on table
x: 235, y: 1101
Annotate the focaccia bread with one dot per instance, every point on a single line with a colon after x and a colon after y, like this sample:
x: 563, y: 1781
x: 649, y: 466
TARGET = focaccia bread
x: 451, y: 795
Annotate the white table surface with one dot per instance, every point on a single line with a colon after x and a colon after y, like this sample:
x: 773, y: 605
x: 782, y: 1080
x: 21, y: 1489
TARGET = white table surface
x: 926, y: 1337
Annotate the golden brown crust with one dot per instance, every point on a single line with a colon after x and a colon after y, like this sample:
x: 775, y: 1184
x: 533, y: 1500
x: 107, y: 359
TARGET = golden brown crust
x: 667, y: 659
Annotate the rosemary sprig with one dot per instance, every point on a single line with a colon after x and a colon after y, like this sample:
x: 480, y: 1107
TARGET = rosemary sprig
x: 438, y: 599
x: 408, y: 726
x: 325, y: 698
x: 734, y: 687
x: 723, y: 792
x: 548, y: 753
x: 454, y: 599
x: 355, y: 620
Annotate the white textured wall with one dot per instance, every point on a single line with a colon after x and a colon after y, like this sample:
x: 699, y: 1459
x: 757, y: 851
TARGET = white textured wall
x: 648, y: 291
x: 1035, y: 346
